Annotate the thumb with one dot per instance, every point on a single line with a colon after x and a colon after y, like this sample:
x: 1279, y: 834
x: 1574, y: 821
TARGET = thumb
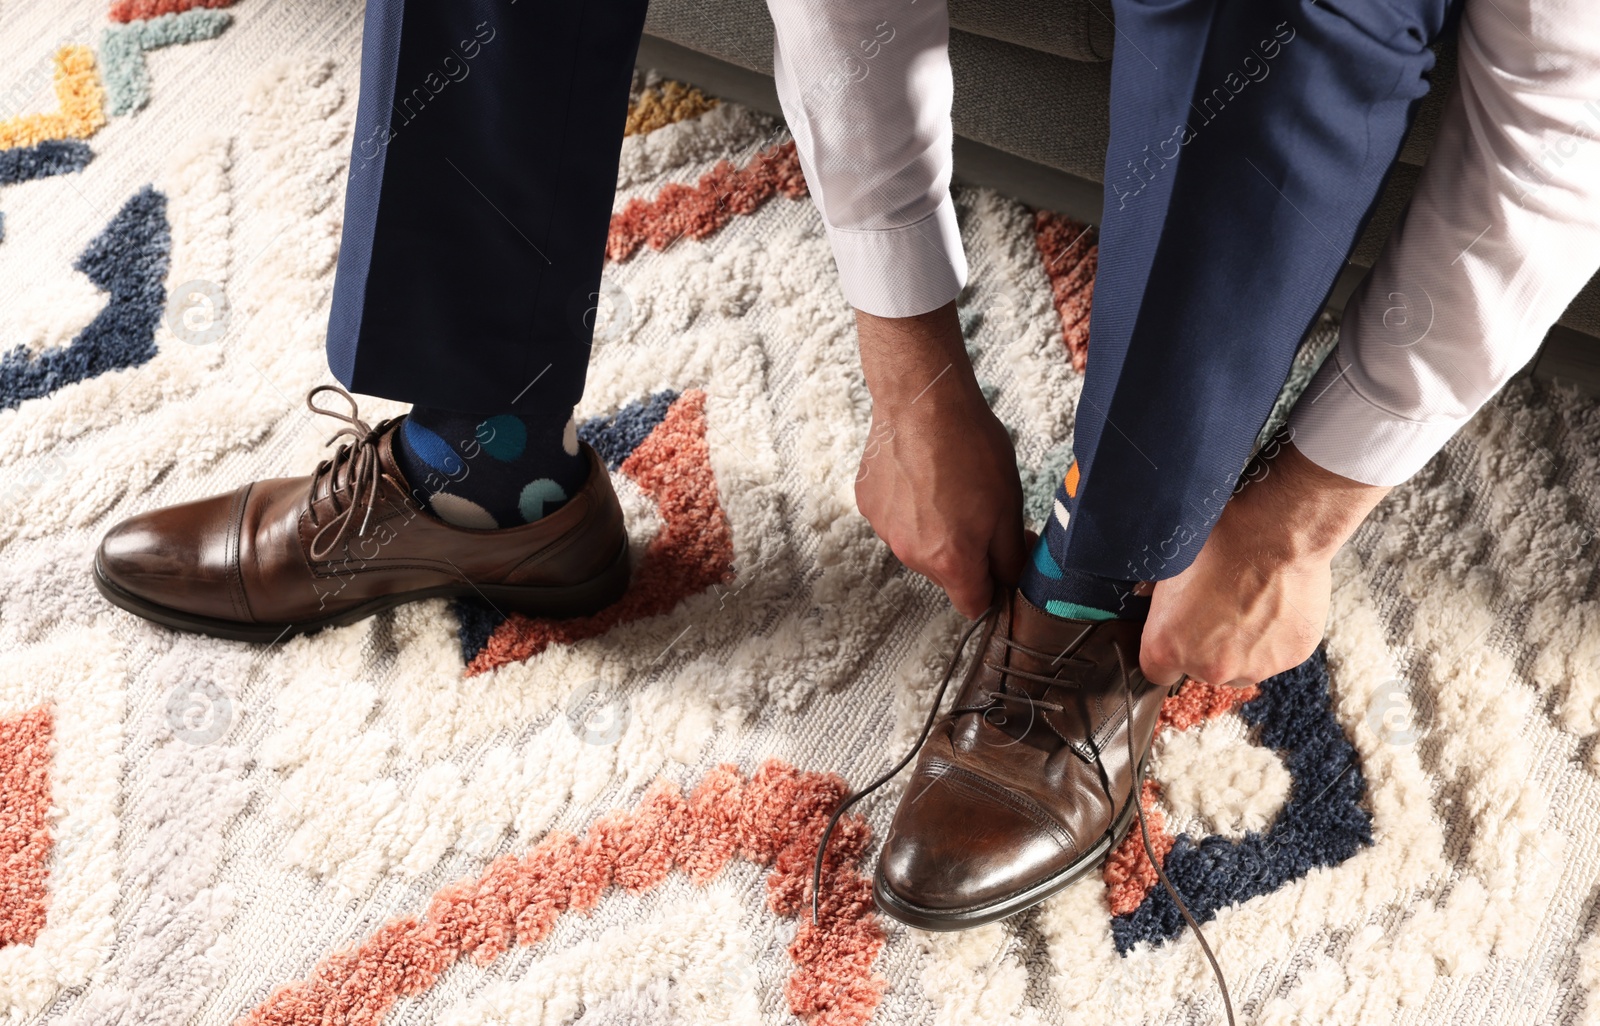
x: 972, y: 592
x: 1008, y: 552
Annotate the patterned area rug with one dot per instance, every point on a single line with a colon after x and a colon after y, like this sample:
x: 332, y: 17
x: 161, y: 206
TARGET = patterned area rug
x: 447, y: 814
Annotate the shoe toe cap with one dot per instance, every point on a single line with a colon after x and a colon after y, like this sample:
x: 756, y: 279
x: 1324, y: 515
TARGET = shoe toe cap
x: 177, y: 557
x: 954, y: 846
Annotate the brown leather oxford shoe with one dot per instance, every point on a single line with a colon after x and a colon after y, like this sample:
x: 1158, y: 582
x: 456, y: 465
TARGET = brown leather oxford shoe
x: 292, y: 555
x: 1025, y: 784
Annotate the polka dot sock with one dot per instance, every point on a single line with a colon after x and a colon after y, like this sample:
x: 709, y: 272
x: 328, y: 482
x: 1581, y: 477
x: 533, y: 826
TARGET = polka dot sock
x: 493, y: 471
x: 1062, y: 591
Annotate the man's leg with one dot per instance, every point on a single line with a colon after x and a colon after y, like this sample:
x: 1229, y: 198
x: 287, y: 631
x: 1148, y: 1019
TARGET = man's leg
x: 481, y: 179
x: 1499, y: 237
x: 476, y: 216
x: 1238, y: 177
x: 1248, y: 142
x: 481, y: 182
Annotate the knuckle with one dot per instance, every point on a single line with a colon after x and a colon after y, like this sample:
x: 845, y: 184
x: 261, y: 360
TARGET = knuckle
x: 1157, y: 655
x: 946, y: 564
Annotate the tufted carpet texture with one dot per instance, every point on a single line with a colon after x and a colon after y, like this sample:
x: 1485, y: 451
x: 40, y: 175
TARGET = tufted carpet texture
x: 445, y: 814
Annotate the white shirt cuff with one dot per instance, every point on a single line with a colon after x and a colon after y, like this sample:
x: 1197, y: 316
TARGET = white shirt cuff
x: 1339, y: 429
x: 902, y: 272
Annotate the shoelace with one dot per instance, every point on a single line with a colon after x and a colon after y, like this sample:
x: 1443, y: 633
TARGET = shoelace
x: 362, y: 470
x: 1136, y: 796
x: 995, y: 701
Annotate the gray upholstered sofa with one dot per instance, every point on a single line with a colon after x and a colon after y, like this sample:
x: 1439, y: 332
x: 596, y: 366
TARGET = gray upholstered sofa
x: 1032, y: 84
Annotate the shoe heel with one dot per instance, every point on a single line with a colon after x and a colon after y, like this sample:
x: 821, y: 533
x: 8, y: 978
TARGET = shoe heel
x: 564, y: 602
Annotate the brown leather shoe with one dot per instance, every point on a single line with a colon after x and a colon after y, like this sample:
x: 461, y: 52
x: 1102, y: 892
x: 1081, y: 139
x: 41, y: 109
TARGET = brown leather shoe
x: 292, y: 555
x: 1024, y: 785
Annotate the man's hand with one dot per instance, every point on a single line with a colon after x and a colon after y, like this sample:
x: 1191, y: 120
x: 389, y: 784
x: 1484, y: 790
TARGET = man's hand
x: 938, y: 478
x: 1255, y: 601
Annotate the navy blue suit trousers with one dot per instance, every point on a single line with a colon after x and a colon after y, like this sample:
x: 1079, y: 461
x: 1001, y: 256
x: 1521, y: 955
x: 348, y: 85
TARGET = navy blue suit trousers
x: 481, y: 180
x: 1249, y: 142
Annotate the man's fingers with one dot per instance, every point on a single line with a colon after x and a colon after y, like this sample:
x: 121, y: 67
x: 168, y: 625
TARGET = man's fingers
x: 1008, y: 552
x: 971, y: 603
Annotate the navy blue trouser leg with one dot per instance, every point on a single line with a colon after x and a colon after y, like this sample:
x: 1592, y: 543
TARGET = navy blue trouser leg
x: 1249, y: 141
x: 481, y: 181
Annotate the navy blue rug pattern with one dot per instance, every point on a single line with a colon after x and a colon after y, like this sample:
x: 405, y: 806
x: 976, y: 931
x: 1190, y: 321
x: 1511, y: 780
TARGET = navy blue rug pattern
x: 128, y: 260
x: 1323, y: 823
x: 43, y: 160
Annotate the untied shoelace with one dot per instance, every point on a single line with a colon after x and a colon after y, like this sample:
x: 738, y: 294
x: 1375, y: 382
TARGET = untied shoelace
x: 1135, y: 796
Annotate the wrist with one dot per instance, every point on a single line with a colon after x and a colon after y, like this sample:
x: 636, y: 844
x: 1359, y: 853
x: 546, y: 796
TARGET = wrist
x: 1298, y: 512
x: 915, y: 363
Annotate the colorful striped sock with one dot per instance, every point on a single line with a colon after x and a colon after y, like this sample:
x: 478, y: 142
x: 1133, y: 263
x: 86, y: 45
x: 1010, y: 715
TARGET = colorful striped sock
x: 1076, y: 595
x: 1073, y: 594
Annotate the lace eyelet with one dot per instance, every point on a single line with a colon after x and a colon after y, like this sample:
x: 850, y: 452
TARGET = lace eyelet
x: 989, y: 718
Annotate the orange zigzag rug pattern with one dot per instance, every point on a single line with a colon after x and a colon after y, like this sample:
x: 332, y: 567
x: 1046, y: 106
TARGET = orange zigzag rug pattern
x: 139, y: 10
x: 80, y: 99
x: 701, y: 210
x: 773, y: 819
x: 1071, y: 253
x: 664, y: 105
x: 25, y: 840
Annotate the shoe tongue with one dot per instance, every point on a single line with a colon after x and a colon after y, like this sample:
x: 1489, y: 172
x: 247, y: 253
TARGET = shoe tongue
x: 386, y: 459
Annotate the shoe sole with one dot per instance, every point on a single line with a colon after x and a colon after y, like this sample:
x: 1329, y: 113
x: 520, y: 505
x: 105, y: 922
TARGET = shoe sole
x: 558, y: 602
x: 942, y: 920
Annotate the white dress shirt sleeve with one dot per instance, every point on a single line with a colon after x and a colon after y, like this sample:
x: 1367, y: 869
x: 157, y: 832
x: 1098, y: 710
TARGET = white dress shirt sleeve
x: 1502, y: 233
x: 866, y: 89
